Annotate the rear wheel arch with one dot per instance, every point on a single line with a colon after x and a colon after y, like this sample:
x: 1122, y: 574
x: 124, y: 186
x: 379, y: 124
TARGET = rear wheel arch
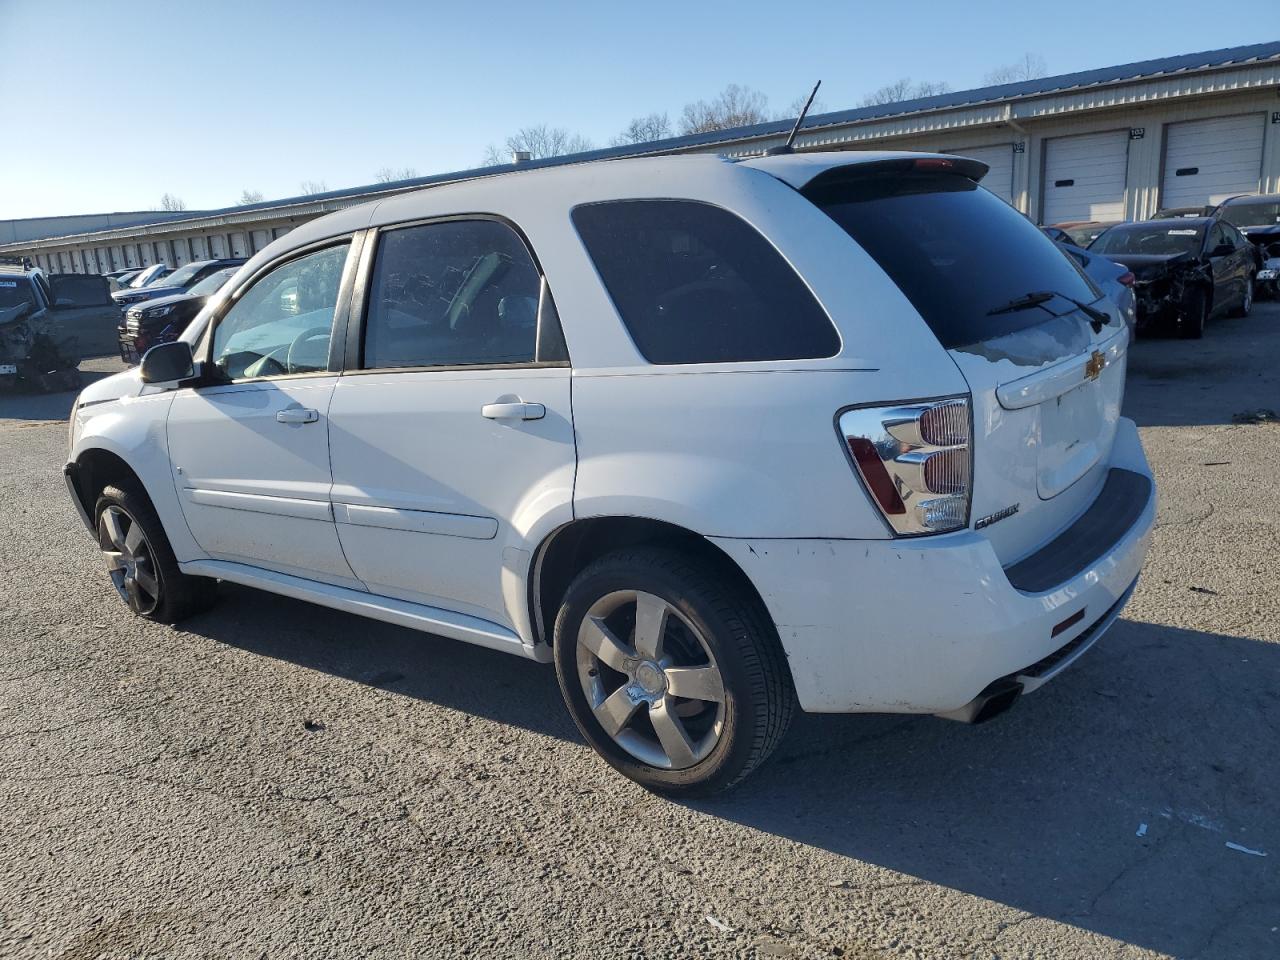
x: 570, y: 548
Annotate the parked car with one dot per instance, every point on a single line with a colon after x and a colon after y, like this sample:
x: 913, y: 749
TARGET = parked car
x: 43, y: 320
x: 178, y: 281
x: 1257, y: 217
x: 1268, y: 278
x: 148, y: 275
x: 124, y: 278
x: 1113, y: 279
x: 161, y: 320
x: 1083, y: 232
x: 834, y: 431
x: 1187, y: 271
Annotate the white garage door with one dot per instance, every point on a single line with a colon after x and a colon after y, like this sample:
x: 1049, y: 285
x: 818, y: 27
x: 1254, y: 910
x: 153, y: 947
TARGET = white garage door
x: 239, y: 244
x: 259, y: 239
x: 1206, y: 161
x: 999, y: 179
x: 1084, y: 177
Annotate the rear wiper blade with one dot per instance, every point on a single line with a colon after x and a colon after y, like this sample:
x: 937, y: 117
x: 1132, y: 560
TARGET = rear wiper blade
x: 1039, y: 297
x: 1033, y: 299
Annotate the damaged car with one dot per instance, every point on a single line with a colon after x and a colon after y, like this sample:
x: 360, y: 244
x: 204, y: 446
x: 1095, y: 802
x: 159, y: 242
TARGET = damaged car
x: 40, y: 321
x: 1186, y: 271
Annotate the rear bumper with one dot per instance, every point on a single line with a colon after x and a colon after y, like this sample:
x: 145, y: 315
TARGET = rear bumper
x: 926, y: 625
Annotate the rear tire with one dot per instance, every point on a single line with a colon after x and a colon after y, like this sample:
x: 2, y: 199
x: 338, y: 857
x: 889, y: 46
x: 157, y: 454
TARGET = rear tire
x: 140, y: 561
x: 693, y: 711
x: 1246, y: 305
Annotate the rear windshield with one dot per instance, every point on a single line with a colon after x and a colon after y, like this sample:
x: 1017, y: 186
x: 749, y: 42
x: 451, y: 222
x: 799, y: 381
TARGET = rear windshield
x: 1159, y: 237
x: 16, y: 290
x: 694, y: 283
x: 955, y: 250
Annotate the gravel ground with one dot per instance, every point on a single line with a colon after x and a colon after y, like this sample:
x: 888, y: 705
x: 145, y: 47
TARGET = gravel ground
x: 275, y: 779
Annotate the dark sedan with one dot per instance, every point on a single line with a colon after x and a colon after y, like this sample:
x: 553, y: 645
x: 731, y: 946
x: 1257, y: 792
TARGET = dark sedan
x: 180, y: 281
x: 162, y: 320
x: 1186, y: 270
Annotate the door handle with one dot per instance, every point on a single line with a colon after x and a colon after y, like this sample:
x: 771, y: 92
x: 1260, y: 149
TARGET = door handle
x: 297, y: 415
x: 513, y: 410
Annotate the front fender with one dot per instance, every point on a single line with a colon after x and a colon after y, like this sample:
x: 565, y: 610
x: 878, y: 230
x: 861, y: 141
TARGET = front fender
x: 135, y: 430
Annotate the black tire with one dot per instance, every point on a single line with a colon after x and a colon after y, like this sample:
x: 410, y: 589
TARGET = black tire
x: 758, y: 694
x: 1246, y: 304
x: 179, y: 595
x: 1191, y: 323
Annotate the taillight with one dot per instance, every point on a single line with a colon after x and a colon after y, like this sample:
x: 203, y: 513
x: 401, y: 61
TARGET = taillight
x: 913, y: 459
x: 1127, y: 278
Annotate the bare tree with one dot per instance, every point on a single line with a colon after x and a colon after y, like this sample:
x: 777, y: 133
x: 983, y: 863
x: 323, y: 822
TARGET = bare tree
x: 172, y: 202
x: 540, y: 141
x: 1030, y: 67
x: 734, y: 106
x: 655, y: 126
x: 388, y: 175
x: 796, y: 105
x: 249, y: 196
x: 904, y: 89
x: 312, y: 187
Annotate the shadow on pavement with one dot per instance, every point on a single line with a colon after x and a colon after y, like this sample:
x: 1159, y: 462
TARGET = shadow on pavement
x: 1039, y: 809
x: 45, y: 406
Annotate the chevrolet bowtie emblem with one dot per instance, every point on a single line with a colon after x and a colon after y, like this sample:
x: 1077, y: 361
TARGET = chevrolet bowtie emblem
x: 1097, y: 362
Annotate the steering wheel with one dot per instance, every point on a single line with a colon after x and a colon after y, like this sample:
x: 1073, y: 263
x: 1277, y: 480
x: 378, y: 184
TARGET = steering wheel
x: 312, y: 333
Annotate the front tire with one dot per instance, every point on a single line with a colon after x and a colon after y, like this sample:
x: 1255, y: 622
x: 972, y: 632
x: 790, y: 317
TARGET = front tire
x: 1191, y: 323
x: 140, y: 561
x: 672, y: 671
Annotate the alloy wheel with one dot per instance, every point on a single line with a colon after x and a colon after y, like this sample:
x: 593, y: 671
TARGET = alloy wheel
x: 130, y: 562
x: 651, y: 679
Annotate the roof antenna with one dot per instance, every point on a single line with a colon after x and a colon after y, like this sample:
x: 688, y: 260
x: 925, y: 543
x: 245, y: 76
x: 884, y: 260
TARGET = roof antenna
x: 791, y: 137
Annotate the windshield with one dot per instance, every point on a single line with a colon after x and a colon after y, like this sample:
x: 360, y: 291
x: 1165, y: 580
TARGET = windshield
x: 212, y: 283
x: 1161, y: 239
x: 955, y: 250
x: 143, y: 278
x: 16, y: 290
x: 1251, y: 214
x: 182, y: 276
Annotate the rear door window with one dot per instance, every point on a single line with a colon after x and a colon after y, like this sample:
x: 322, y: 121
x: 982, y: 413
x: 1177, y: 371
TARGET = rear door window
x: 455, y: 293
x: 956, y: 251
x: 694, y: 283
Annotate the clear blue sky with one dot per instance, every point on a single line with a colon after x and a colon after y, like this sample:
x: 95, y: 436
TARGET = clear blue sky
x: 125, y: 101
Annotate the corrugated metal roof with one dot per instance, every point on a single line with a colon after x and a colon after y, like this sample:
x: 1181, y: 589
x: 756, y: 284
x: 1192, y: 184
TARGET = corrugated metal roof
x: 1002, y: 93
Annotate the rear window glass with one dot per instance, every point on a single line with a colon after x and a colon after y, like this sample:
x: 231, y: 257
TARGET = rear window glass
x: 696, y: 284
x: 955, y: 250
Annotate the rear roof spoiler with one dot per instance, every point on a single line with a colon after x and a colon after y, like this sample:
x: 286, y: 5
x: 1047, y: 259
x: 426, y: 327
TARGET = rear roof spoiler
x: 808, y: 169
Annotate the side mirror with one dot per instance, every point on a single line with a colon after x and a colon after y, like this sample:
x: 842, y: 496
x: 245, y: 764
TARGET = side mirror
x: 168, y: 363
x: 1223, y: 250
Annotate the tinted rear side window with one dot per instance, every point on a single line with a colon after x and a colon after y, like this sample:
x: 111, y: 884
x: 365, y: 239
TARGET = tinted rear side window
x: 696, y: 284
x: 955, y: 250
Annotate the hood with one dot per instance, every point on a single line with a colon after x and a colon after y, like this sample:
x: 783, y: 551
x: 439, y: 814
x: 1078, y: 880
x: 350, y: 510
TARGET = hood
x: 171, y: 299
x: 1151, y: 264
x: 145, y: 293
x: 127, y: 383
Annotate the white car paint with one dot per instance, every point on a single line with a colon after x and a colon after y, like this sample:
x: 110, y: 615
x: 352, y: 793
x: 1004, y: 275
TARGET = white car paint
x: 402, y: 503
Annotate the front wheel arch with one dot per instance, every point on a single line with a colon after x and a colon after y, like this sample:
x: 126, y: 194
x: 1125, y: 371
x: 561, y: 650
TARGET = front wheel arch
x: 94, y: 470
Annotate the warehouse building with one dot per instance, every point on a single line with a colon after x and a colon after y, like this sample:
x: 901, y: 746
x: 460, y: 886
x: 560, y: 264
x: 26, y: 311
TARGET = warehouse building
x: 1109, y: 144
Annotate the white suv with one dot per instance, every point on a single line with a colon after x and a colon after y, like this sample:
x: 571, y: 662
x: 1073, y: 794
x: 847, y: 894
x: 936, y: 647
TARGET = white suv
x: 836, y: 431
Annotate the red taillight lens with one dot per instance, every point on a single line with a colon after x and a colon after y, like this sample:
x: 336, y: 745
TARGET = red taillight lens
x: 914, y: 460
x: 933, y: 163
x: 876, y: 476
x: 1127, y: 278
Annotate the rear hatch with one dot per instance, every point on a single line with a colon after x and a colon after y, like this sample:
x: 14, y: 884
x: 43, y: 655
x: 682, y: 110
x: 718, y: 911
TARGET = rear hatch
x: 1040, y: 347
